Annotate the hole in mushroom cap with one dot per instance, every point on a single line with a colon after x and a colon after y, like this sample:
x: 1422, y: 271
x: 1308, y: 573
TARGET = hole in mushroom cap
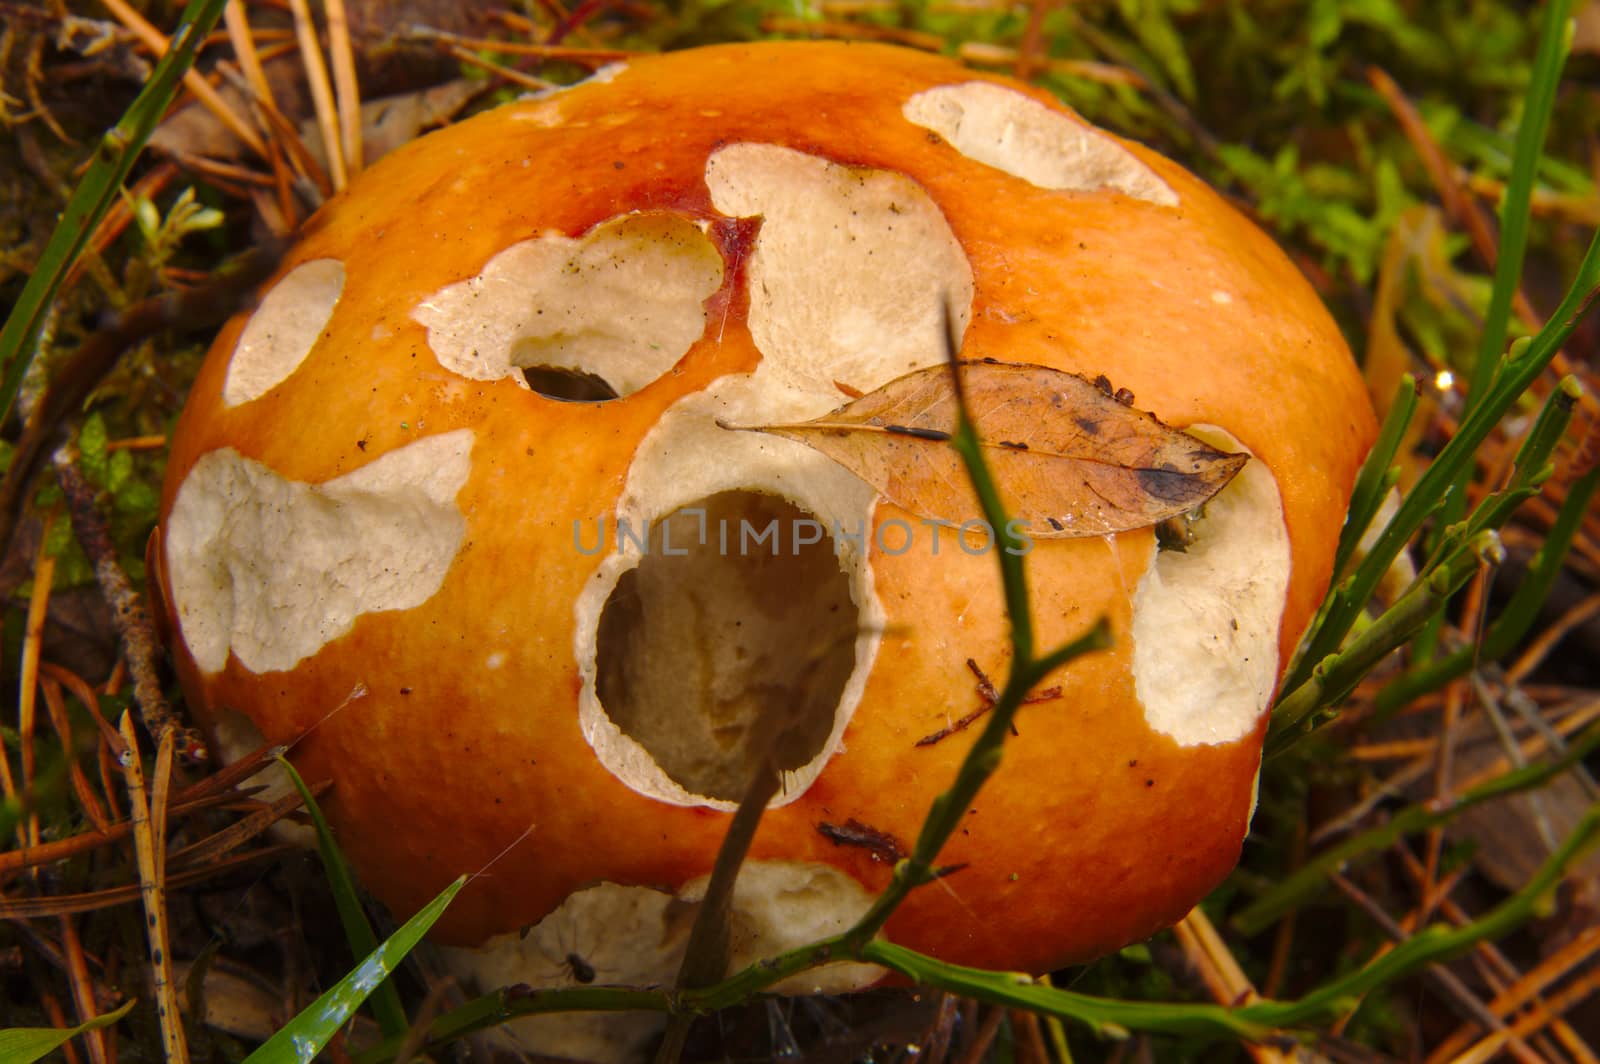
x: 732, y: 640
x: 1002, y: 128
x: 568, y: 385
x: 1205, y: 618
x: 623, y: 302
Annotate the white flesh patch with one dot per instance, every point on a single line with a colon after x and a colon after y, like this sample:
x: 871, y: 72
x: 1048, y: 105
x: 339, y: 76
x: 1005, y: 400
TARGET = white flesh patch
x: 623, y: 302
x: 1002, y: 128
x: 1205, y: 620
x: 848, y: 272
x: 635, y: 936
x: 782, y: 905
x: 273, y: 569
x: 845, y: 283
x: 283, y: 329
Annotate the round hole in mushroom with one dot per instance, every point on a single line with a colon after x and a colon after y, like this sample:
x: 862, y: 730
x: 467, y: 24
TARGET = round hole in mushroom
x: 730, y: 643
x: 568, y: 385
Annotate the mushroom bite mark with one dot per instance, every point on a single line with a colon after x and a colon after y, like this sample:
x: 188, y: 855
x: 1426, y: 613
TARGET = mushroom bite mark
x: 610, y: 934
x: 283, y: 329
x: 1205, y: 617
x: 850, y: 271
x: 272, y: 570
x: 736, y: 625
x: 620, y: 304
x: 1001, y: 127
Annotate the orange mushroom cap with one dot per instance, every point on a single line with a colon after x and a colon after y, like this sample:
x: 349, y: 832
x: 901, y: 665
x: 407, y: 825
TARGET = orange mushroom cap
x: 384, y: 531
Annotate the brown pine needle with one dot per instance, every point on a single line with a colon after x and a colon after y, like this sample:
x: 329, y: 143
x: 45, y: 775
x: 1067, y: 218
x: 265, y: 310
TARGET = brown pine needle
x: 1524, y: 993
x: 344, y: 84
x: 321, y: 92
x: 202, y: 90
x: 1221, y: 972
x: 58, y: 904
x: 1496, y: 1042
x: 62, y: 849
x: 44, y: 570
x: 242, y: 831
x: 58, y: 1018
x: 88, y: 801
x: 237, y: 21
x: 152, y: 887
x: 511, y: 74
x: 593, y: 56
x: 82, y: 988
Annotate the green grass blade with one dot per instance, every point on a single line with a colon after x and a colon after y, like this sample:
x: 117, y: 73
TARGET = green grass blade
x: 304, y: 1037
x: 24, y: 1045
x: 1108, y: 1016
x: 358, y: 932
x: 1517, y: 617
x: 99, y: 189
x: 1517, y: 206
x: 1372, y: 483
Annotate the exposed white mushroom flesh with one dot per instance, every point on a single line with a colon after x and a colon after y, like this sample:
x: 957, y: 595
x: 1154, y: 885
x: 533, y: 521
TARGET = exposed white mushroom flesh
x: 271, y: 570
x: 1002, y: 128
x: 634, y: 936
x: 1205, y: 618
x: 620, y: 304
x: 283, y: 329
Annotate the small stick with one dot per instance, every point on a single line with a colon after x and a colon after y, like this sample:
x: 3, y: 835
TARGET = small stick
x: 152, y: 889
x: 128, y: 611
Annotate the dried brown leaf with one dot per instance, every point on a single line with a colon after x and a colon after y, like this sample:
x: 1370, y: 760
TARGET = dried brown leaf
x: 1069, y: 457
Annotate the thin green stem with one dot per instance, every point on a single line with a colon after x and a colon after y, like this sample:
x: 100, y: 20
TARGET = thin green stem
x: 1310, y: 878
x: 1432, y: 944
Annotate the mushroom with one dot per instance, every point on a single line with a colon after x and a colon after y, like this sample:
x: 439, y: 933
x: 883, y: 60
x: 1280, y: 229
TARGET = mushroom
x: 452, y: 506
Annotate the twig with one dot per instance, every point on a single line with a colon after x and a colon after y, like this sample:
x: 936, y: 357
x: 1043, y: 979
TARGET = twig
x: 128, y: 612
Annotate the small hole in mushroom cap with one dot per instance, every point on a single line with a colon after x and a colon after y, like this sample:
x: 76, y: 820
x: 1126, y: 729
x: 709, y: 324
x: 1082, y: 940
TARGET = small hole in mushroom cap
x: 568, y: 385
x: 731, y: 641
